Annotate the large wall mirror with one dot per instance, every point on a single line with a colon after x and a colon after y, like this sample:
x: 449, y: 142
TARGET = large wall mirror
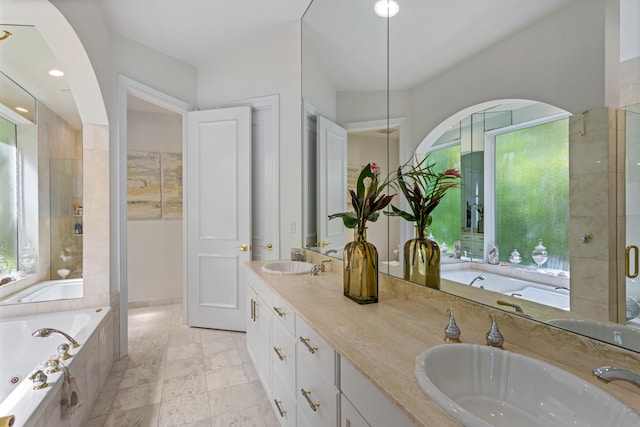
x: 494, y: 89
x: 41, y: 240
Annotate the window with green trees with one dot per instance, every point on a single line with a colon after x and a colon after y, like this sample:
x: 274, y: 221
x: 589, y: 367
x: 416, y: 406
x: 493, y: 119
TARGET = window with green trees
x: 532, y: 192
x: 8, y: 194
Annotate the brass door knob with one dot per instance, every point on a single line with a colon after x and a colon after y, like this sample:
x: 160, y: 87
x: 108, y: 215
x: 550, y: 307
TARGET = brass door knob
x: 243, y: 248
x: 268, y: 246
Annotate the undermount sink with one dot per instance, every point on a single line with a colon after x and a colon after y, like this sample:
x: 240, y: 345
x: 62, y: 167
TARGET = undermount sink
x: 287, y: 267
x: 481, y: 386
x: 608, y: 332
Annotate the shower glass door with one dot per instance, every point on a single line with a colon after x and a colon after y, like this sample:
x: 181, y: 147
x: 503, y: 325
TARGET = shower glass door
x: 632, y: 197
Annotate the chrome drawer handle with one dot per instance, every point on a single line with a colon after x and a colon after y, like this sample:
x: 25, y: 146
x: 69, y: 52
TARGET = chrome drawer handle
x: 279, y: 311
x: 305, y: 341
x: 278, y: 351
x: 306, y: 394
x: 281, y: 411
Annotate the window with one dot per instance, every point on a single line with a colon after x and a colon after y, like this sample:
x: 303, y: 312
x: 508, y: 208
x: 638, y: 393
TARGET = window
x: 532, y: 191
x: 521, y: 180
x: 8, y: 193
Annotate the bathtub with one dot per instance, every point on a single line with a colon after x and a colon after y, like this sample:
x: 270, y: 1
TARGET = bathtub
x: 48, y: 291
x: 23, y: 354
x: 516, y: 287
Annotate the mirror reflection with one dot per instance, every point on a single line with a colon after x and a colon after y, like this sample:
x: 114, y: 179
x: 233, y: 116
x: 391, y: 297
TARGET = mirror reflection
x: 41, y: 241
x: 499, y: 99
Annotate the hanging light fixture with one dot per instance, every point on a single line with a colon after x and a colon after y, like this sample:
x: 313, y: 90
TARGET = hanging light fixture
x: 386, y: 8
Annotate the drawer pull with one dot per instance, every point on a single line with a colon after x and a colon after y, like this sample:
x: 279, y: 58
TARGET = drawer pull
x: 306, y: 394
x: 278, y: 351
x: 305, y: 341
x: 279, y: 311
x: 253, y: 310
x: 281, y: 411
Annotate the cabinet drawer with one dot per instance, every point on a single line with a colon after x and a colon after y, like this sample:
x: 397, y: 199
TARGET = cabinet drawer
x: 284, y: 313
x: 310, y: 344
x: 349, y: 416
x: 318, y: 398
x: 283, y: 402
x: 283, y: 355
x: 369, y: 400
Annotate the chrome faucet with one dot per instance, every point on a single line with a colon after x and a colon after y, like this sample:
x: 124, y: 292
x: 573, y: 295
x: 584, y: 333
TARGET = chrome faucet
x: 45, y: 332
x: 611, y: 373
x: 480, y: 277
x: 331, y: 251
x: 319, y: 268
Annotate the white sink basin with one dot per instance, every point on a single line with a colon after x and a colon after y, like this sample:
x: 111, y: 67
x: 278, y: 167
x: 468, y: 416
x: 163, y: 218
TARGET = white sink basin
x: 287, y: 267
x: 608, y: 332
x: 482, y: 386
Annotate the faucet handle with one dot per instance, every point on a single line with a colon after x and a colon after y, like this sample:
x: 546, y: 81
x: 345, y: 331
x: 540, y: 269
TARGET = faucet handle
x: 451, y: 331
x: 494, y: 337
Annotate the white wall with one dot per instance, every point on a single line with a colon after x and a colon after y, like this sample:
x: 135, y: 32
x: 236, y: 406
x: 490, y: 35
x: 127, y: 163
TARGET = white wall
x: 154, y: 247
x: 267, y: 64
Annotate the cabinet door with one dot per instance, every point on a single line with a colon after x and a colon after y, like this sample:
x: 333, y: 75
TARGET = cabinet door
x: 318, y: 399
x: 259, y: 337
x: 283, y: 355
x: 349, y: 417
x: 283, y: 402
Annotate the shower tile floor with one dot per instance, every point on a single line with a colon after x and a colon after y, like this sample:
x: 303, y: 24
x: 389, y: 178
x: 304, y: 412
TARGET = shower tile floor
x: 175, y: 375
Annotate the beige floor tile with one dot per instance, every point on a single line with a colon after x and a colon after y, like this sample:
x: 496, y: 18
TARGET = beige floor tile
x: 137, y: 396
x: 145, y: 416
x: 184, y: 351
x: 141, y: 375
x: 183, y: 386
x: 184, y: 367
x: 222, y: 359
x: 184, y: 411
x: 250, y: 417
x: 236, y: 398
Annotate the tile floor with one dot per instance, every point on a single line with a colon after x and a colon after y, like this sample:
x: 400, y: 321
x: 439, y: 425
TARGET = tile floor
x: 175, y: 375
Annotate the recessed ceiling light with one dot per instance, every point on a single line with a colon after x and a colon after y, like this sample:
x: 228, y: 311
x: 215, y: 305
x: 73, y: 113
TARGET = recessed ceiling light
x: 386, y: 8
x: 55, y: 72
x: 21, y: 109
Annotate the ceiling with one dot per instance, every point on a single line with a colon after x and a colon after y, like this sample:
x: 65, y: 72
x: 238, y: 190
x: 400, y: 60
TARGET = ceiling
x: 198, y: 31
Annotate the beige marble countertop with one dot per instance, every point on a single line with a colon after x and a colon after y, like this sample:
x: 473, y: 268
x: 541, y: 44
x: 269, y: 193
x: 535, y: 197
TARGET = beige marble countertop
x: 382, y: 340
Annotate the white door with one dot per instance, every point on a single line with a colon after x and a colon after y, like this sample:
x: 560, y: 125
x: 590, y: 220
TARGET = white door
x: 217, y: 169
x: 332, y: 184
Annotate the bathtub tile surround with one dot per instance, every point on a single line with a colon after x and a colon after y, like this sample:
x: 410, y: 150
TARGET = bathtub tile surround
x: 89, y: 365
x: 177, y: 375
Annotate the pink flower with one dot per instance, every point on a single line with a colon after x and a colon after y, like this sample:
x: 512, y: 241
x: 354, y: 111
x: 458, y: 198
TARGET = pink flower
x: 452, y: 172
x: 374, y: 168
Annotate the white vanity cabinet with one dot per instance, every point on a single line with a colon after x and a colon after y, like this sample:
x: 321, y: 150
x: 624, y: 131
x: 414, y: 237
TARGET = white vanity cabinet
x: 306, y: 380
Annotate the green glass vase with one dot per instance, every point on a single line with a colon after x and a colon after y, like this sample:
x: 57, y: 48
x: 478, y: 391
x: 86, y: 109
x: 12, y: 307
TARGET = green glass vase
x: 361, y: 270
x: 422, y: 261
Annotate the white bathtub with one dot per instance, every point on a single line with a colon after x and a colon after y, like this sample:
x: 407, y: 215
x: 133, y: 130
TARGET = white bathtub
x: 48, y: 291
x: 23, y: 354
x: 519, y: 288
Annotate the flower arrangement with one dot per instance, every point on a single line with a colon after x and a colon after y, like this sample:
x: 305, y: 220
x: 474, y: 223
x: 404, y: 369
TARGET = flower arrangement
x: 367, y: 200
x: 423, y: 187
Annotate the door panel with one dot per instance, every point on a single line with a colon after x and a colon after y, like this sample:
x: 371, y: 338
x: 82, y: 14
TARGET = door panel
x: 218, y: 212
x: 332, y: 183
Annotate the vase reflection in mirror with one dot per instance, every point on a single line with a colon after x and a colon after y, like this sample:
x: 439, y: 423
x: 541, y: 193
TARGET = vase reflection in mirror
x: 422, y: 260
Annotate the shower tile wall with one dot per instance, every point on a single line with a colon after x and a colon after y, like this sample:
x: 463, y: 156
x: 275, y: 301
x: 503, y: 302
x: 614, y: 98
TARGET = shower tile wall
x: 56, y: 140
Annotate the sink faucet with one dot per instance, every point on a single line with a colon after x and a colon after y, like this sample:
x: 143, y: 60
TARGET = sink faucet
x: 480, y: 277
x: 319, y: 268
x: 331, y: 251
x: 45, y: 332
x: 611, y: 373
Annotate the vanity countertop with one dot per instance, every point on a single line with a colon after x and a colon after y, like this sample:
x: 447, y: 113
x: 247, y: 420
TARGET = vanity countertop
x: 382, y: 340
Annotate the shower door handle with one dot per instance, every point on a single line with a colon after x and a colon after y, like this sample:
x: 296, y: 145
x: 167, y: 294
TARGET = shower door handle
x: 627, y: 261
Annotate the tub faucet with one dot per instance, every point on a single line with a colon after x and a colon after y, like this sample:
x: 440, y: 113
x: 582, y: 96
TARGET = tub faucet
x: 480, y: 277
x: 331, y: 251
x: 45, y: 332
x: 611, y: 373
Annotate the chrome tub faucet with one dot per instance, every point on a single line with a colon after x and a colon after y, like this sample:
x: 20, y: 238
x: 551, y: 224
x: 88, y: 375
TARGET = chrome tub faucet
x: 611, y: 373
x: 480, y: 277
x: 45, y: 332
